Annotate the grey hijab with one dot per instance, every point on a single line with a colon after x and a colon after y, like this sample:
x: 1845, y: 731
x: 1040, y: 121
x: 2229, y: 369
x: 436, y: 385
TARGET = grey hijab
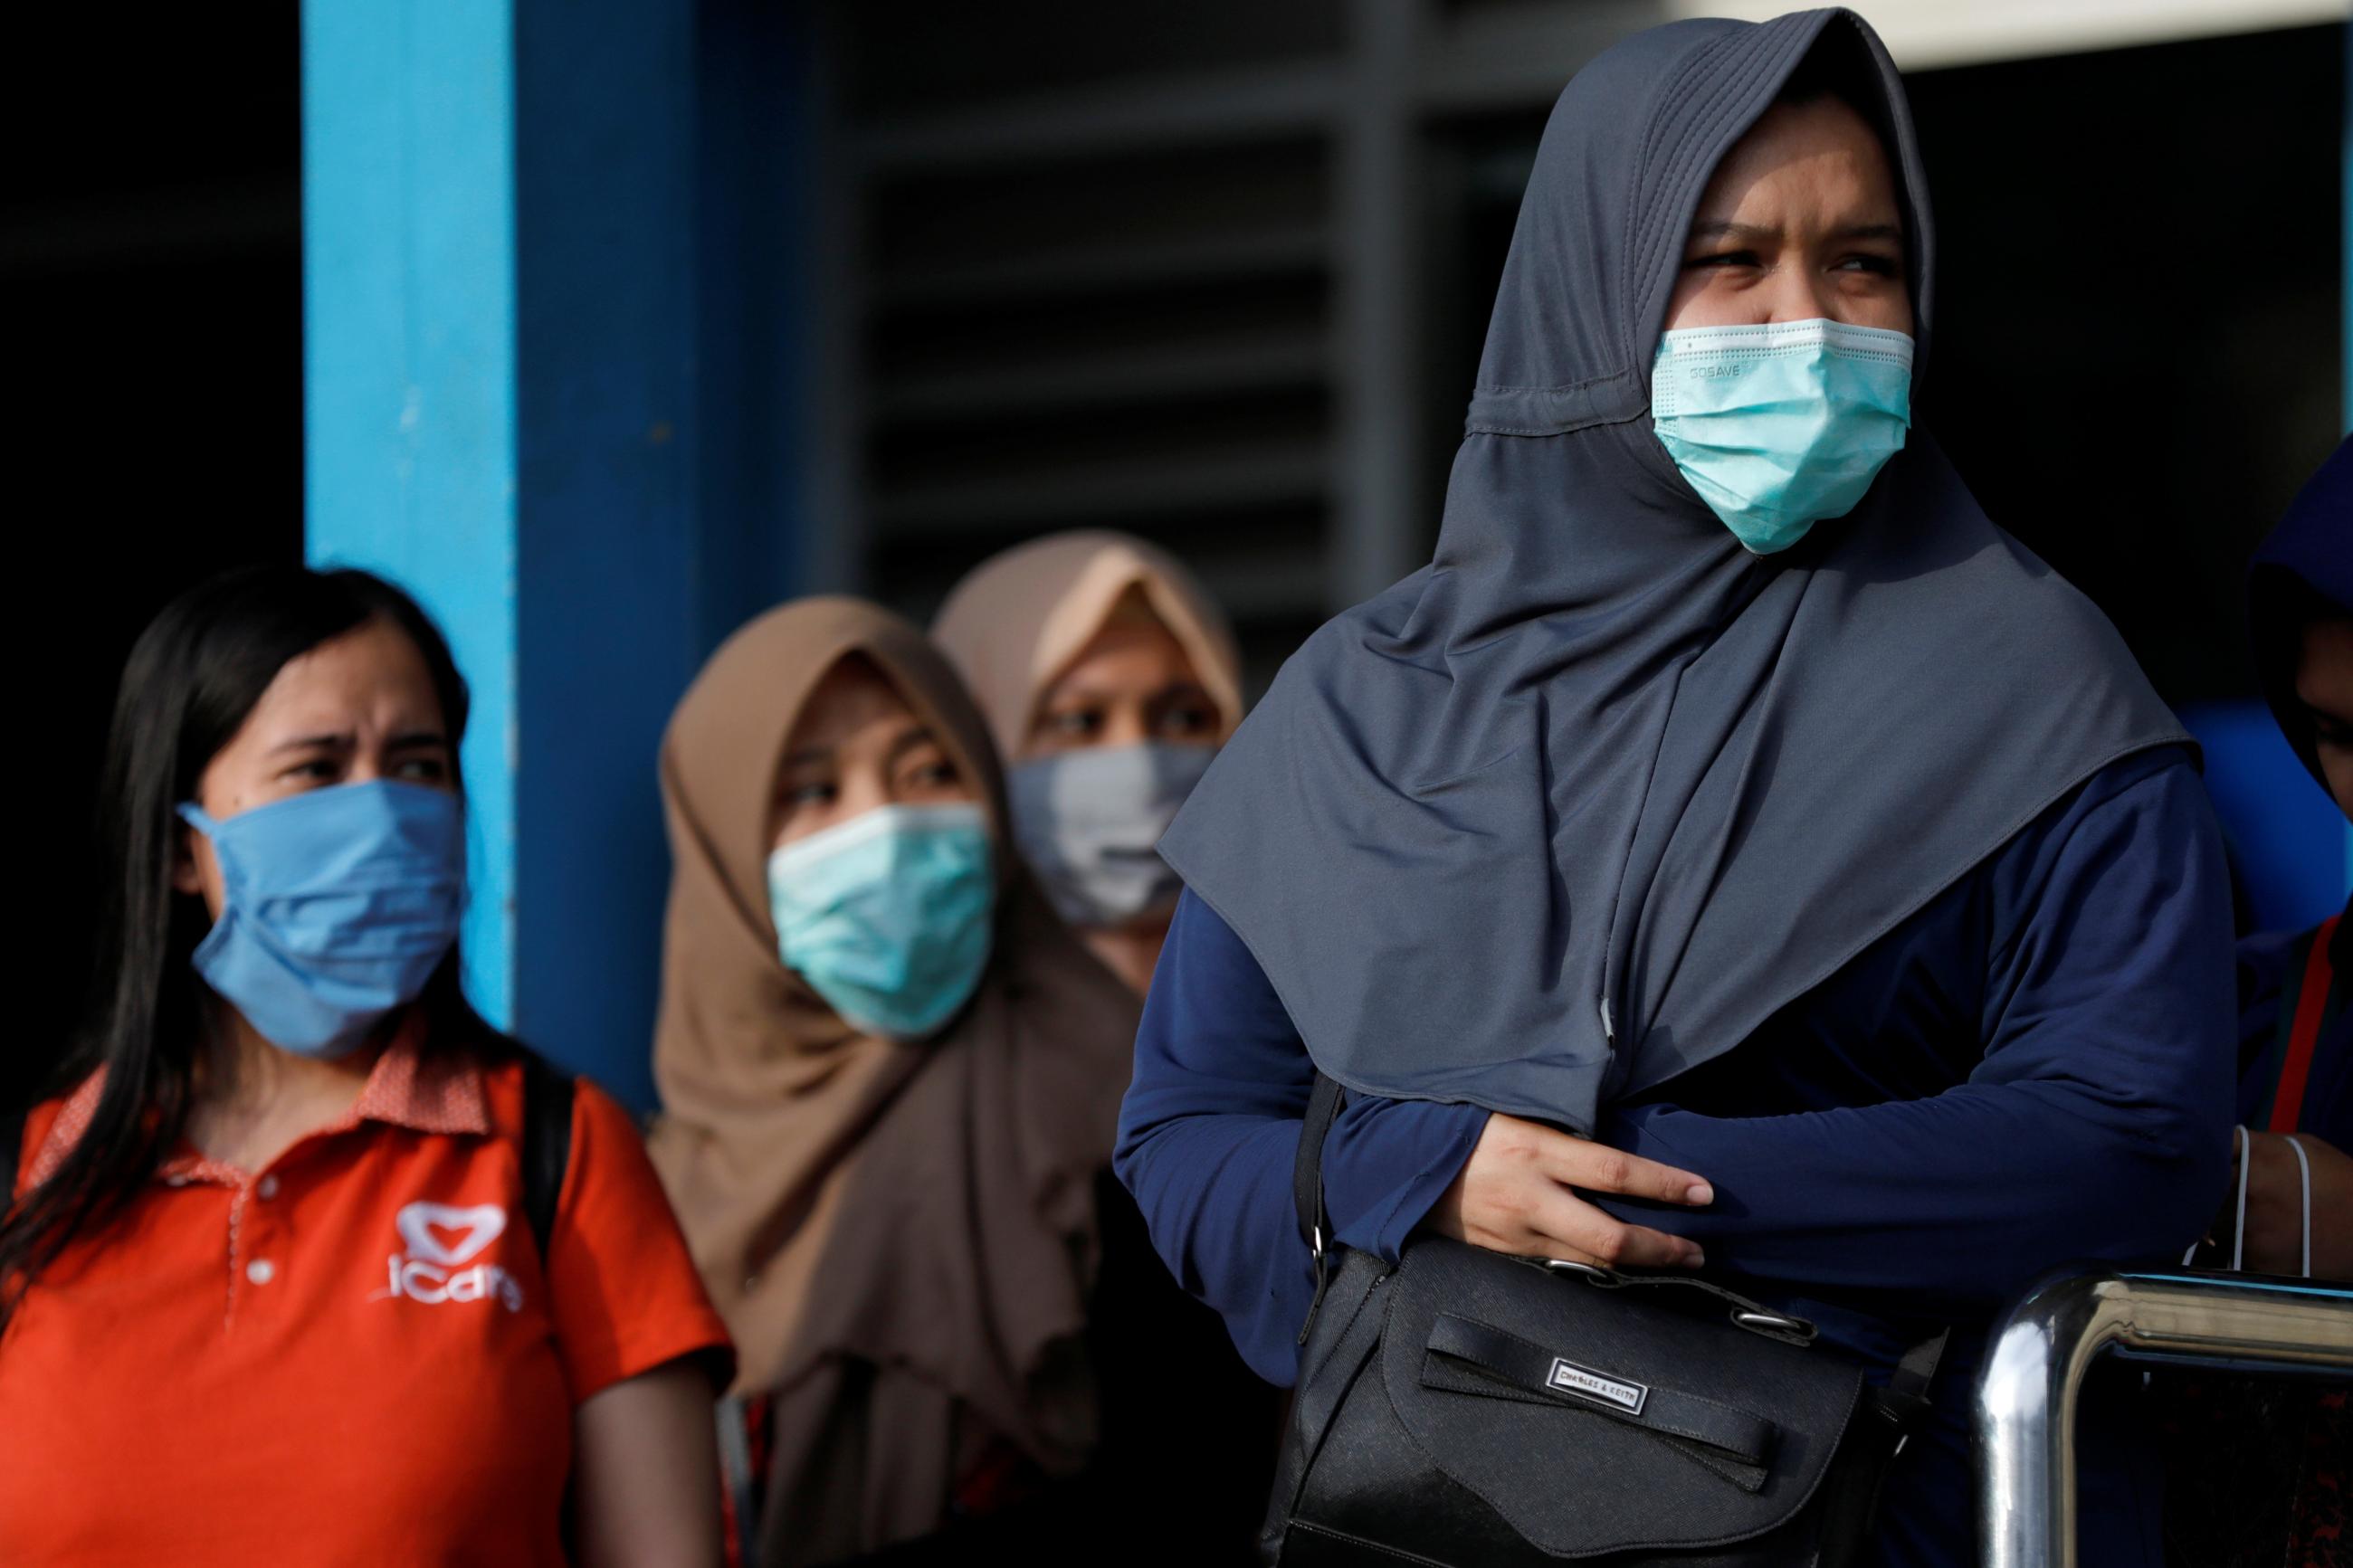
x: 1582, y: 802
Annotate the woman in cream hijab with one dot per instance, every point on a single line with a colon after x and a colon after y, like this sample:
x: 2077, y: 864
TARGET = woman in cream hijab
x: 889, y: 1078
x: 1109, y: 679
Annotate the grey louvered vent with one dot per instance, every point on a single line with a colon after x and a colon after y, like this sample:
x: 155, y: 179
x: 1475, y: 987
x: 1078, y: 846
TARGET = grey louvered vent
x: 1138, y: 341
x: 1105, y: 295
x: 1160, y: 269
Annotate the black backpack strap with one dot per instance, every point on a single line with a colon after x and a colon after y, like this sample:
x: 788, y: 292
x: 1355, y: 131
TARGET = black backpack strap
x: 1307, y: 1184
x: 547, y: 1094
x: 12, y: 1146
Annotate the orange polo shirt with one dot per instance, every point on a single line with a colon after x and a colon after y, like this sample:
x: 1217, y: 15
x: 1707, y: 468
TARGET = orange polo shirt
x: 356, y: 1355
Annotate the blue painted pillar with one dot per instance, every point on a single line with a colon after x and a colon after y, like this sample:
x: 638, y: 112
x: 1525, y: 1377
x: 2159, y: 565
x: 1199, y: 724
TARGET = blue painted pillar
x: 518, y: 215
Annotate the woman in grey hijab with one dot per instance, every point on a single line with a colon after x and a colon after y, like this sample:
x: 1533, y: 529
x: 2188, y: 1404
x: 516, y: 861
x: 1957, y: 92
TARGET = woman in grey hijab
x: 1732, y: 850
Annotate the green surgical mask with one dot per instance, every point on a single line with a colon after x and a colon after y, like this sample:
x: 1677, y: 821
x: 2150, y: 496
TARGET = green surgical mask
x: 1781, y: 425
x: 888, y: 916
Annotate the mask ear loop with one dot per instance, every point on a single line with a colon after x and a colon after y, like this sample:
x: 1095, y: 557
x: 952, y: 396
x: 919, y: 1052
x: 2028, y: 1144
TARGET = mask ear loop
x: 2304, y: 1166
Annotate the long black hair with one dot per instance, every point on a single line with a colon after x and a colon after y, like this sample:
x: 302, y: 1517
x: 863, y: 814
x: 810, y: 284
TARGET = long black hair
x: 192, y: 680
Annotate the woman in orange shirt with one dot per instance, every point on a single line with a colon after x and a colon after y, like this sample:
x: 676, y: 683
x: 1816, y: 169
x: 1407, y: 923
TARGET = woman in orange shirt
x: 274, y: 1283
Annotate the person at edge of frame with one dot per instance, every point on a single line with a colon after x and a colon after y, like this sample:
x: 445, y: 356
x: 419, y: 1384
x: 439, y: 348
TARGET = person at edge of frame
x: 2296, y: 1036
x: 2256, y: 1470
x: 269, y: 1291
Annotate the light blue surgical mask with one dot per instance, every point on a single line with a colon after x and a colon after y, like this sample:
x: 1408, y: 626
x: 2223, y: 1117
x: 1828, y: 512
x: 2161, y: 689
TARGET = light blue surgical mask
x: 338, y: 905
x: 1777, y: 426
x: 888, y: 916
x: 1089, y: 822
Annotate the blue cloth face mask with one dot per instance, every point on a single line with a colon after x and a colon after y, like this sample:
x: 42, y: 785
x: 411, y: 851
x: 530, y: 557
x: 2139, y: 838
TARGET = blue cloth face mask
x: 888, y: 916
x: 1088, y: 824
x: 338, y: 906
x: 1779, y: 426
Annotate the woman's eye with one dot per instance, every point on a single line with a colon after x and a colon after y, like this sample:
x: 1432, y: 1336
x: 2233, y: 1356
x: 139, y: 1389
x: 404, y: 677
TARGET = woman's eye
x: 818, y: 793
x: 935, y: 775
x: 318, y: 770
x: 1877, y: 266
x: 1191, y: 718
x: 424, y: 770
x: 1074, y: 723
x: 1726, y: 259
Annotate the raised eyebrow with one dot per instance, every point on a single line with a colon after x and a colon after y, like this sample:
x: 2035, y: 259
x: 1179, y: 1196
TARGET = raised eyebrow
x: 1887, y: 231
x: 416, y: 738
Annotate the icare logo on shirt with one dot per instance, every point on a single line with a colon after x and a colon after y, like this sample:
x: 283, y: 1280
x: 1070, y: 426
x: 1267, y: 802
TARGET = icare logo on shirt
x: 437, y: 1243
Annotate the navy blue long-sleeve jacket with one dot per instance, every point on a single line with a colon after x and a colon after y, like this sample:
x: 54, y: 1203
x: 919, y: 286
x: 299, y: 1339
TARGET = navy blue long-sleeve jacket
x: 2037, y: 1067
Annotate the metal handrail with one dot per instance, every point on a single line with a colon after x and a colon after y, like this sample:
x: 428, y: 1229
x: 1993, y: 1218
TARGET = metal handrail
x: 2034, y: 1372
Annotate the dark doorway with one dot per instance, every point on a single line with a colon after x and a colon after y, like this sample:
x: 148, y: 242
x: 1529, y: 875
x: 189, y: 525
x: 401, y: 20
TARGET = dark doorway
x: 152, y: 250
x: 2139, y: 347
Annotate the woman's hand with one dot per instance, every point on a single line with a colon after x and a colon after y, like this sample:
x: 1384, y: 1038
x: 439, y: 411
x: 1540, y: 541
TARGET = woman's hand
x: 1518, y: 1194
x: 2275, y: 1207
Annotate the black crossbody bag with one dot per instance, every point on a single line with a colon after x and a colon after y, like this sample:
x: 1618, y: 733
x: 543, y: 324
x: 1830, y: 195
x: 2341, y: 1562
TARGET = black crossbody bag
x: 1463, y: 1407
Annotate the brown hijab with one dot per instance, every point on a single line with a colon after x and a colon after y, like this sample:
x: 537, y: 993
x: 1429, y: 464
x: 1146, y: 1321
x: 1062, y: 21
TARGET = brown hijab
x: 1017, y: 620
x: 900, y: 1236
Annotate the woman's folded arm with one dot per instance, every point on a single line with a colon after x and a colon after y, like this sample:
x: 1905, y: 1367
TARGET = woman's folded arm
x: 2095, y: 1127
x: 1209, y: 1132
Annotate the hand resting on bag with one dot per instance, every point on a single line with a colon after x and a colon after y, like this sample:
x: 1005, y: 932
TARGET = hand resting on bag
x: 1518, y: 1194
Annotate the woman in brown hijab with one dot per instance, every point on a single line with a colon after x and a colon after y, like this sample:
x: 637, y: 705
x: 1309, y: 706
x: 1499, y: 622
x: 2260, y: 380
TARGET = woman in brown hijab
x: 898, y: 1221
x: 1109, y: 679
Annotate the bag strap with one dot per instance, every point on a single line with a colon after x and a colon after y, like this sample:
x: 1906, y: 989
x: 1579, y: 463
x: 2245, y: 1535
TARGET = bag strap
x: 547, y: 1096
x: 1746, y: 1311
x: 1307, y: 1169
x: 1307, y: 1186
x: 1743, y: 1435
x: 1906, y: 1393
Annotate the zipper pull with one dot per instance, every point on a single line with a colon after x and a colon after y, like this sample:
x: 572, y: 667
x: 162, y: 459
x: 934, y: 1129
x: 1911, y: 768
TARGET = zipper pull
x: 1607, y: 1033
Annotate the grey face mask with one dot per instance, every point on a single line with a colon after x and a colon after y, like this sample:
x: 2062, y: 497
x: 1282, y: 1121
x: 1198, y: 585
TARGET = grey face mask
x: 1087, y: 823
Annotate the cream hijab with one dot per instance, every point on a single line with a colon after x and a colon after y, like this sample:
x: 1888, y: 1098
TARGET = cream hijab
x: 1017, y: 620
x: 901, y: 1237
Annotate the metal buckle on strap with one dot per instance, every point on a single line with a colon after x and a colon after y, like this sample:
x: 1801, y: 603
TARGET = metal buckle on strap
x: 1592, y: 1274
x: 1773, y: 1324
